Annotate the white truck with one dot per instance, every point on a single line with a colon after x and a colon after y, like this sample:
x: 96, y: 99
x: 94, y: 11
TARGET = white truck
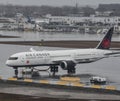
x: 98, y: 80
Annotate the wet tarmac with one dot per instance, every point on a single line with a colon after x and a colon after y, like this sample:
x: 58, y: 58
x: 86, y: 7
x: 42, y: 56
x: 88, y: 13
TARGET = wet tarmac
x: 15, y: 97
x: 49, y: 92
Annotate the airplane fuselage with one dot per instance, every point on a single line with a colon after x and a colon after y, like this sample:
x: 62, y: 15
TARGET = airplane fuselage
x: 45, y: 58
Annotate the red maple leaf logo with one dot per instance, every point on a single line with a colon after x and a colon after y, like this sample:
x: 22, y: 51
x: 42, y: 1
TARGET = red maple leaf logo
x: 106, y: 43
x: 27, y: 61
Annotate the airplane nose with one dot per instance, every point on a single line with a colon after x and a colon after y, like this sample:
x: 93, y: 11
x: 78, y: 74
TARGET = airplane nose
x: 7, y: 63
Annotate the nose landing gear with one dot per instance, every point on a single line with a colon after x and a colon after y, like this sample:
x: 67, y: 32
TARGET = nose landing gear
x: 16, y: 72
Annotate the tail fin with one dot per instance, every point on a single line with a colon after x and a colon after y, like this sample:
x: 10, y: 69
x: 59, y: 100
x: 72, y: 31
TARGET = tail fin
x: 106, y: 42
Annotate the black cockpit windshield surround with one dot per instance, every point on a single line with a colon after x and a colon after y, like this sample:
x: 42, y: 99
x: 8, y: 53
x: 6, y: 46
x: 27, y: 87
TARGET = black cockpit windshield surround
x: 13, y: 58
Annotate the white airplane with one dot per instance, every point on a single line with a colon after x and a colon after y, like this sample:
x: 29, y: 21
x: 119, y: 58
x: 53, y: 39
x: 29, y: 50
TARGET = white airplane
x: 66, y: 59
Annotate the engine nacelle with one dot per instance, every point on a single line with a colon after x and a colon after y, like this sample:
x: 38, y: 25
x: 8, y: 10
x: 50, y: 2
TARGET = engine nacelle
x: 67, y: 64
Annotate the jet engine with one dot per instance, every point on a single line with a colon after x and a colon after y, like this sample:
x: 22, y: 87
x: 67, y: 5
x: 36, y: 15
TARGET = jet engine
x: 67, y: 64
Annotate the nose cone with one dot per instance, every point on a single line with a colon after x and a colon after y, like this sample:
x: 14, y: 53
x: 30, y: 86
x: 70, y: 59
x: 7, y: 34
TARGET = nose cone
x: 7, y: 63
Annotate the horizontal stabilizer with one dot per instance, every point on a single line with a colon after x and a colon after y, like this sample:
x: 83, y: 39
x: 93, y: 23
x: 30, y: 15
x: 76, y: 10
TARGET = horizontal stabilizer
x: 113, y: 54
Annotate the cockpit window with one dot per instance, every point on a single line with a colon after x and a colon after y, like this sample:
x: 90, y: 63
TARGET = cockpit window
x: 13, y: 58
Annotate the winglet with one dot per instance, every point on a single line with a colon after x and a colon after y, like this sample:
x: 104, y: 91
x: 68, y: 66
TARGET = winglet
x: 106, y: 42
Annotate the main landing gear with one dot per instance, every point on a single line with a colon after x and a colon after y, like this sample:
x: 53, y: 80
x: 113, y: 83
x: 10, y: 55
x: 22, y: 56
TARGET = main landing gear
x: 53, y: 69
x: 71, y: 70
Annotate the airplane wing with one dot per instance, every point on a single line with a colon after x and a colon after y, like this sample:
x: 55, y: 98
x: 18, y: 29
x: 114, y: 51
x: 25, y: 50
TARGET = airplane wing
x: 59, y: 60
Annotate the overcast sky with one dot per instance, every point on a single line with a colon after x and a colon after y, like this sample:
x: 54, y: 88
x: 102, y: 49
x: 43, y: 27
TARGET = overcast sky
x: 58, y: 2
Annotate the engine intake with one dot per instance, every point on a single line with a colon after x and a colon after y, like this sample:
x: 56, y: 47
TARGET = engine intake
x: 67, y: 64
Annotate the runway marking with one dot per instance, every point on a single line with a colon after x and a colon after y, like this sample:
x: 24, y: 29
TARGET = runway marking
x: 62, y: 83
x: 71, y: 79
x: 28, y: 80
x: 78, y: 84
x: 110, y: 87
x: 44, y: 81
x: 12, y: 79
x: 96, y: 86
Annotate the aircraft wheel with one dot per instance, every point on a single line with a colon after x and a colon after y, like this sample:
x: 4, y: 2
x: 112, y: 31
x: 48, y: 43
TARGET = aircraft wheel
x: 16, y: 72
x: 53, y: 69
x: 71, y: 70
